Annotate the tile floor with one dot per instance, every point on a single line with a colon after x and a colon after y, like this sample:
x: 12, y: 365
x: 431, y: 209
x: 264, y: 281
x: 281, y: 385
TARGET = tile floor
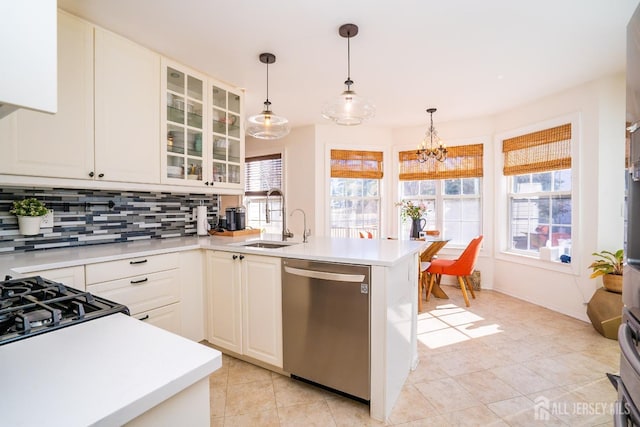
x: 491, y: 364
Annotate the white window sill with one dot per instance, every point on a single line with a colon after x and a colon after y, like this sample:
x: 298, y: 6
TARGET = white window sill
x: 533, y: 261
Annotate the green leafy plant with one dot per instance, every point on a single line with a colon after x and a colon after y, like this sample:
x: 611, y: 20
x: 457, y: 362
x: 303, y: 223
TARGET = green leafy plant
x: 29, y: 207
x: 411, y: 210
x: 607, y: 263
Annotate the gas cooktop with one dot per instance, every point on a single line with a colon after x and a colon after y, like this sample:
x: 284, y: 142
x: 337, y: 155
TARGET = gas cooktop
x: 34, y: 305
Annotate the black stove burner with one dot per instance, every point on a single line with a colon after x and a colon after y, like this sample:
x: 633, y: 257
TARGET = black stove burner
x: 25, y: 322
x: 34, y: 305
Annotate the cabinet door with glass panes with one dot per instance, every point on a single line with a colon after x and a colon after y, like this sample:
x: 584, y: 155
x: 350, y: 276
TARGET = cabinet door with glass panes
x: 183, y: 118
x: 227, y: 138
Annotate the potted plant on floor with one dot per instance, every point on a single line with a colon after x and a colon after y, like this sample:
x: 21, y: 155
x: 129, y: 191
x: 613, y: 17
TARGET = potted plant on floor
x: 29, y: 212
x: 609, y: 265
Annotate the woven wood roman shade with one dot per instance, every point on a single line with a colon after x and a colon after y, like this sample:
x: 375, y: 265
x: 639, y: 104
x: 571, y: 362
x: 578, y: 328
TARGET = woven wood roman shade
x: 541, y: 151
x: 356, y: 164
x: 463, y: 161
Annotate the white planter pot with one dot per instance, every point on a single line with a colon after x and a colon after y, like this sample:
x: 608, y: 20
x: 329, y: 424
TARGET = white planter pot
x: 29, y: 225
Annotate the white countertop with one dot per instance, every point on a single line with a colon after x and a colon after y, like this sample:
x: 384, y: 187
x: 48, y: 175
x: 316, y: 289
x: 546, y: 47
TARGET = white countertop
x: 105, y: 371
x: 354, y: 251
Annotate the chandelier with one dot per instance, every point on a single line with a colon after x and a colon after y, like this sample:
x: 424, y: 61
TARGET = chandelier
x: 348, y: 108
x: 267, y: 125
x: 435, y: 149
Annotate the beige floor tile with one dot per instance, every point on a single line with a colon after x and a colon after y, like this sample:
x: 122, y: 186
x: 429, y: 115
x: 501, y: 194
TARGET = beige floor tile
x: 242, y: 372
x: 475, y: 416
x: 411, y: 406
x: 348, y: 412
x: 292, y: 392
x: 447, y: 395
x: 478, y: 366
x: 261, y: 418
x: 218, y: 399
x: 522, y: 379
x: 250, y: 397
x: 486, y: 387
x: 306, y: 414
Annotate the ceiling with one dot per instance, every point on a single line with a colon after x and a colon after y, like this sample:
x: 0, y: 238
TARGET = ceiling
x: 468, y: 58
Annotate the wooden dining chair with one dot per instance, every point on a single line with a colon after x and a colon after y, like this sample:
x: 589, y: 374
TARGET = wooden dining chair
x: 461, y: 268
x: 425, y: 261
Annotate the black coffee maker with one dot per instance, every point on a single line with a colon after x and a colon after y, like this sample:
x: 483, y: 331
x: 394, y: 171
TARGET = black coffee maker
x: 230, y: 214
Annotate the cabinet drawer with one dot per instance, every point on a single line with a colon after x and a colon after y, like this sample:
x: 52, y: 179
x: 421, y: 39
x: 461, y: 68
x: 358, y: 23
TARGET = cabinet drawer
x: 143, y: 292
x: 167, y: 318
x: 111, y: 270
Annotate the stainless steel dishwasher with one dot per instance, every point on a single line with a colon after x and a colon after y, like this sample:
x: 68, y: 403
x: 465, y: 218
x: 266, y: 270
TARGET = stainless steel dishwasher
x: 326, y: 332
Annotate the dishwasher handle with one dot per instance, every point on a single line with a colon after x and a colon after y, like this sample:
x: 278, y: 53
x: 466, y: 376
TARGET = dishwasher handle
x: 325, y: 275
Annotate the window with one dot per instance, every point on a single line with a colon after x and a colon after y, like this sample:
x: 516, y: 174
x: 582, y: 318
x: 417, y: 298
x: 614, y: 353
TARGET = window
x: 355, y: 193
x: 451, y: 191
x: 262, y: 174
x: 538, y: 167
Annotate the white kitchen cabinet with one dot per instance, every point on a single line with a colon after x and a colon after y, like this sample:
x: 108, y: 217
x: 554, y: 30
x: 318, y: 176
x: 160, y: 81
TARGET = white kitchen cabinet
x: 28, y: 46
x: 245, y: 305
x: 127, y: 110
x: 149, y: 286
x: 184, y: 121
x: 112, y: 137
x: 57, y: 145
x: 203, y: 137
x: 262, y: 308
x: 224, y: 297
x: 193, y: 296
x: 69, y: 276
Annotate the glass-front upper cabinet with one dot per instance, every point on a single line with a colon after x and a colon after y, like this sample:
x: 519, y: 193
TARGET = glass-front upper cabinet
x: 184, y: 126
x: 203, y: 134
x: 227, y: 148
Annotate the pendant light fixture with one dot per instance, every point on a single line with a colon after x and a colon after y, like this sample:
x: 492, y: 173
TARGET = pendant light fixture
x: 267, y: 125
x: 437, y: 152
x: 349, y: 108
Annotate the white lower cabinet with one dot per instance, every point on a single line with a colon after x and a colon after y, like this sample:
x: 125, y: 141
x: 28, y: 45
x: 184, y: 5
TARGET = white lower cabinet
x: 69, y: 276
x: 167, y: 317
x: 245, y: 305
x: 149, y: 286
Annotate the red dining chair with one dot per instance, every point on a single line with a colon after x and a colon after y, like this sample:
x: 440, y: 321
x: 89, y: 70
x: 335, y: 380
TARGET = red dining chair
x: 461, y: 268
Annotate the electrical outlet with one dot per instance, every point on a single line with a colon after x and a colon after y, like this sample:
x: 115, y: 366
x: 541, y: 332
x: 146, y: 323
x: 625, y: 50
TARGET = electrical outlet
x: 47, y: 220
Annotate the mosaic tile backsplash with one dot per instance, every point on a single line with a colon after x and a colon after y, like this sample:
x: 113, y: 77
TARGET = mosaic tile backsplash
x: 89, y: 217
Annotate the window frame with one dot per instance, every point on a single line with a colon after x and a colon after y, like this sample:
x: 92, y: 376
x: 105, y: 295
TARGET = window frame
x: 439, y: 200
x: 501, y: 248
x: 275, y: 226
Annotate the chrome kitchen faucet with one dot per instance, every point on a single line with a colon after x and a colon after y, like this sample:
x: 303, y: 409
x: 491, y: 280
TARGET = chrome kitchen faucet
x: 305, y: 232
x: 285, y: 231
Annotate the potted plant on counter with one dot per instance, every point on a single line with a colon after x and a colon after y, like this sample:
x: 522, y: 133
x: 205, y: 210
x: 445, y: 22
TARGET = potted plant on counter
x: 29, y: 212
x: 609, y: 265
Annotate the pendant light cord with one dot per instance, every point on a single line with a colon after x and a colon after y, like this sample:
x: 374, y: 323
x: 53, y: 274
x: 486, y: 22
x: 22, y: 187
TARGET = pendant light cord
x: 267, y: 103
x: 348, y: 82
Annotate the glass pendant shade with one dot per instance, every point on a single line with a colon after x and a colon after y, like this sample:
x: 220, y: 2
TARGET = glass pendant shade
x: 267, y: 125
x: 348, y: 109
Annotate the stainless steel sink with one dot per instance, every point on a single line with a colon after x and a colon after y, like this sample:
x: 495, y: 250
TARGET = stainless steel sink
x: 266, y: 245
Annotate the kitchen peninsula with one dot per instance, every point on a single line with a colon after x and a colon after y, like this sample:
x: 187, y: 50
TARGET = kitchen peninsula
x: 394, y: 273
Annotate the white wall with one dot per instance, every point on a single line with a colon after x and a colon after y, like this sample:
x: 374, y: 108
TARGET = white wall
x: 299, y: 180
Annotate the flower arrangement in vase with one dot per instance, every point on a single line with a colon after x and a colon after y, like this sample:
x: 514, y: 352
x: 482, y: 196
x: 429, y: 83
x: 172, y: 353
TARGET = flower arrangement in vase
x: 29, y: 212
x: 414, y: 212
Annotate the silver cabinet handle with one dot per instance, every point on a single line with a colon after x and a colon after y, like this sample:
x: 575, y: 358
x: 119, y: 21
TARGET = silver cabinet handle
x: 135, y: 282
x: 324, y: 275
